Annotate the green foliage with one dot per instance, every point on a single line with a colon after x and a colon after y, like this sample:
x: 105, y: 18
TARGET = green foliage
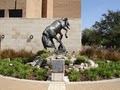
x: 90, y: 37
x: 67, y: 62
x: 105, y: 32
x: 23, y: 74
x: 17, y: 69
x: 86, y: 36
x: 42, y: 51
x: 27, y: 59
x: 16, y: 65
x: 81, y: 59
x: 22, y: 56
x: 91, y: 74
x: 43, y: 54
x: 4, y: 68
x: 104, y: 71
x: 40, y: 74
x: 74, y: 75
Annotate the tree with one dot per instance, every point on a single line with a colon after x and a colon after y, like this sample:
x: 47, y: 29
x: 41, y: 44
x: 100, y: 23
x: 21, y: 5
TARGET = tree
x: 104, y: 32
x: 86, y: 37
x: 91, y: 37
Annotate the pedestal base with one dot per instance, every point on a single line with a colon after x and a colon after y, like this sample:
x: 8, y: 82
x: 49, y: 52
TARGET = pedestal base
x: 57, y: 76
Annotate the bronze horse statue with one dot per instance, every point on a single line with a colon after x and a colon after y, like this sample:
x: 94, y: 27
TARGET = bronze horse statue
x: 51, y: 32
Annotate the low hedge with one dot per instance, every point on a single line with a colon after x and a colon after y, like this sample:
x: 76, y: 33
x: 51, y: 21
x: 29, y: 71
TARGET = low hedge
x: 104, y: 71
x: 74, y: 75
x: 17, y: 69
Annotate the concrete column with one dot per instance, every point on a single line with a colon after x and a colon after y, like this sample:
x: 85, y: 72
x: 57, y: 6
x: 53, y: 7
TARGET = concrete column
x: 6, y: 13
x: 49, y: 8
x: 33, y: 8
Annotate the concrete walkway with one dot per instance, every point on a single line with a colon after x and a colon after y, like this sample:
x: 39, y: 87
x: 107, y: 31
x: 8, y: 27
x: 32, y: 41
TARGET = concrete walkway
x: 95, y: 85
x: 8, y: 83
x: 57, y: 86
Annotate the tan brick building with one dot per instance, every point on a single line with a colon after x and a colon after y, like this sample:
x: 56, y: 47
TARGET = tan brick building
x: 18, y: 31
x: 40, y: 8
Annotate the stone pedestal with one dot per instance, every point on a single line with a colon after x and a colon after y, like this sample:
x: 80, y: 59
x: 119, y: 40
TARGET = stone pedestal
x: 57, y: 76
x: 58, y: 70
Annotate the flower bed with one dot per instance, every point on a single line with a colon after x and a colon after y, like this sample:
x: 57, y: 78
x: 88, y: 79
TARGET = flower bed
x: 18, y: 67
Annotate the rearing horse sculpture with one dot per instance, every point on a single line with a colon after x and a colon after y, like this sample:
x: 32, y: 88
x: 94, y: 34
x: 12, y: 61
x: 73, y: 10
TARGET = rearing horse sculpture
x: 51, y: 32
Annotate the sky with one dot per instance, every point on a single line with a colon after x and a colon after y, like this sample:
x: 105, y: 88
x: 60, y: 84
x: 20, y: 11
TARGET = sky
x: 92, y: 10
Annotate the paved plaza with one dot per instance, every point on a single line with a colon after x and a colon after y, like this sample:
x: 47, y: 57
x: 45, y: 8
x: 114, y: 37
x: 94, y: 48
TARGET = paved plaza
x: 8, y: 83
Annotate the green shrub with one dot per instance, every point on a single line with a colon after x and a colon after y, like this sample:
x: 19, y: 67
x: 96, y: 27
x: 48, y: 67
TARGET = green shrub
x: 40, y: 74
x: 22, y: 70
x: 35, y: 69
x: 42, y: 51
x: 6, y: 72
x: 91, y: 74
x: 13, y: 68
x: 100, y: 62
x: 108, y: 74
x: 27, y: 60
x: 67, y: 62
x: 74, y: 75
x: 104, y: 71
x: 24, y: 74
x: 17, y: 69
x: 43, y: 54
x: 17, y: 59
x: 81, y: 59
x: 4, y: 68
x: 116, y: 73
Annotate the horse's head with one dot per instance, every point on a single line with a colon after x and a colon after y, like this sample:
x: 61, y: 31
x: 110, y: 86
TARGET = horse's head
x: 65, y: 22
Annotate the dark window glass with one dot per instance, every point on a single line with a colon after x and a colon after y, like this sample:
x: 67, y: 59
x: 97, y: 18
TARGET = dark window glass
x: 2, y: 13
x: 17, y: 13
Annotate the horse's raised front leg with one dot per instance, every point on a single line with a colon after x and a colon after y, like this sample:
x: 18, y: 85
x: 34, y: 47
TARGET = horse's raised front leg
x: 66, y: 32
x: 61, y: 36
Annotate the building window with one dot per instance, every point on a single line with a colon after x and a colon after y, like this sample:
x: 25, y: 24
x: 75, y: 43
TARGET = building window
x: 2, y: 13
x: 16, y: 13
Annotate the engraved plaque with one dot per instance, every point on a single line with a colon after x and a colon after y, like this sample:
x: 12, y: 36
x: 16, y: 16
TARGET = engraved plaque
x: 58, y: 66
